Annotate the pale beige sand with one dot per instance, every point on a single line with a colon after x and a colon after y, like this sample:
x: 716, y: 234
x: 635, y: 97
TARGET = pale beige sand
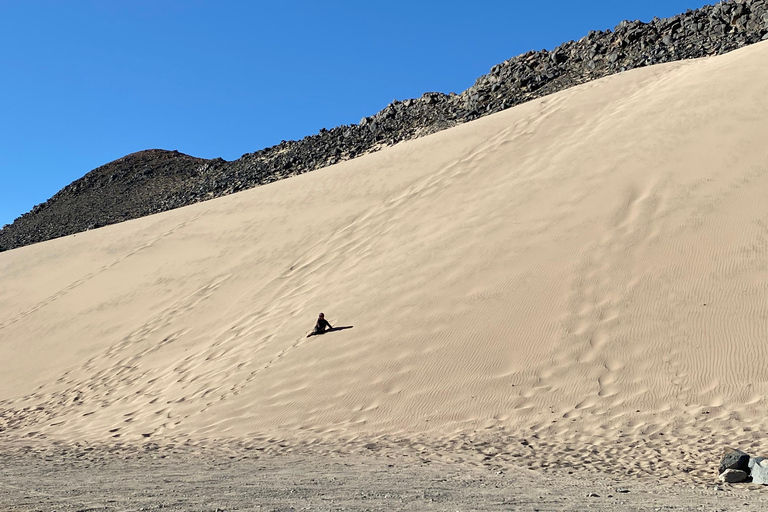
x: 586, y: 272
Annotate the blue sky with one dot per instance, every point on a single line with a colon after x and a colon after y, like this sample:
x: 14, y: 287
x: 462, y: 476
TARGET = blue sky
x: 86, y: 82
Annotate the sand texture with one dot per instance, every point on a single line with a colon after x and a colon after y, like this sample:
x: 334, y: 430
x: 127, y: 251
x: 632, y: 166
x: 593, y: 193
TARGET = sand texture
x: 576, y: 282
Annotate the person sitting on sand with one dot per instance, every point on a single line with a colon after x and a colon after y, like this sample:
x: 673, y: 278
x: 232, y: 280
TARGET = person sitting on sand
x: 321, y: 325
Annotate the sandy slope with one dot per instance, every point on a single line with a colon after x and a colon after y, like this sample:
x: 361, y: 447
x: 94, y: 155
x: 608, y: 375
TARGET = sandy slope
x: 586, y: 271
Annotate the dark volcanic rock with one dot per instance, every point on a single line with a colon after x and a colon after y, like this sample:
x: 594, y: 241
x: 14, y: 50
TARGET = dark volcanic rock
x: 732, y: 476
x: 154, y: 181
x: 133, y: 186
x: 734, y: 460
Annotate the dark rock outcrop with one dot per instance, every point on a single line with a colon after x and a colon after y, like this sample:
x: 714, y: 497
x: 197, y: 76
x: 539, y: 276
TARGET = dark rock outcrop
x: 154, y: 181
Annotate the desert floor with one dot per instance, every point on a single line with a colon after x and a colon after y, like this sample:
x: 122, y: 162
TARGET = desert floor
x: 310, y: 481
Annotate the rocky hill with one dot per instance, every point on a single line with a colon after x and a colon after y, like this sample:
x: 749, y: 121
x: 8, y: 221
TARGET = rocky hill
x: 154, y: 181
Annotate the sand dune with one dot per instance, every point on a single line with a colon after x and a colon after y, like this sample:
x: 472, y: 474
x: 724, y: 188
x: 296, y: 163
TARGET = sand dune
x: 585, y: 272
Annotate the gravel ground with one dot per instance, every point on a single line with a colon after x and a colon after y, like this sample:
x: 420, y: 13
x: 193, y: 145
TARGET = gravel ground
x: 199, y: 482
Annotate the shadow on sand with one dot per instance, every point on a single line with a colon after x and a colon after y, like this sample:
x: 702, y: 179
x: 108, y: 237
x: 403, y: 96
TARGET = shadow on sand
x: 332, y: 329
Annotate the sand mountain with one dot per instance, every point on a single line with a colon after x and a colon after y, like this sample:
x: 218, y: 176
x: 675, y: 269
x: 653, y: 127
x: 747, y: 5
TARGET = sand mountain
x: 583, y: 275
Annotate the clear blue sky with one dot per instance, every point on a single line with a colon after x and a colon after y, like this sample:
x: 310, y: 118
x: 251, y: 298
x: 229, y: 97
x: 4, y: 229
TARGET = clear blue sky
x: 85, y: 82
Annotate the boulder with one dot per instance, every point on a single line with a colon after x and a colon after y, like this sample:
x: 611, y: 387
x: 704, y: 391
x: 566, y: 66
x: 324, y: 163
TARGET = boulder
x: 732, y: 476
x: 758, y: 470
x: 733, y: 459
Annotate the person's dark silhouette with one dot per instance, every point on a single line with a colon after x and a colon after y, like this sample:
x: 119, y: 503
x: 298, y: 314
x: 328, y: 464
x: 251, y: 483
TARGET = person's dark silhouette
x: 321, y: 325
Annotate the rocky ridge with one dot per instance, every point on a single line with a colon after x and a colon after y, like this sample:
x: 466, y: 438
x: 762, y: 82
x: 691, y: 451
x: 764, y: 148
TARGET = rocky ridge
x: 156, y: 180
